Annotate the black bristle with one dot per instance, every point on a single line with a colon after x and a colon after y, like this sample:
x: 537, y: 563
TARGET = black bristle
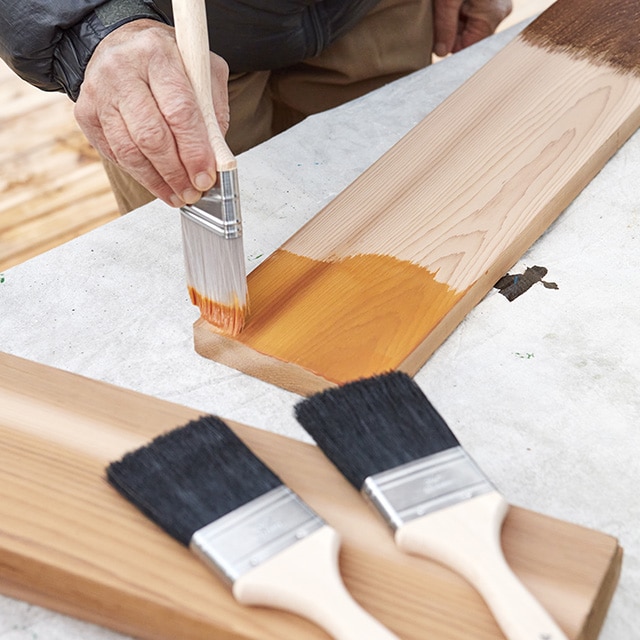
x: 191, y: 476
x: 374, y: 424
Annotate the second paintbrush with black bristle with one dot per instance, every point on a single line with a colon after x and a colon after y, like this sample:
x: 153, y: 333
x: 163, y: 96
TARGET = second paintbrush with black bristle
x: 388, y: 440
x: 206, y: 488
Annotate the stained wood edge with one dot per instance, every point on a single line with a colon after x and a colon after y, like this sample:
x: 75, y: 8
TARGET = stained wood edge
x: 211, y: 344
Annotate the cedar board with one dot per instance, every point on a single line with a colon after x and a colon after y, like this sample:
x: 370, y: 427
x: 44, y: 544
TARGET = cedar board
x: 70, y: 543
x: 457, y: 202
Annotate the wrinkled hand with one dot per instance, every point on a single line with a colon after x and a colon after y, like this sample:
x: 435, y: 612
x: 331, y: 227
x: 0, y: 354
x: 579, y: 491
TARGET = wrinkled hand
x: 137, y: 108
x: 461, y: 23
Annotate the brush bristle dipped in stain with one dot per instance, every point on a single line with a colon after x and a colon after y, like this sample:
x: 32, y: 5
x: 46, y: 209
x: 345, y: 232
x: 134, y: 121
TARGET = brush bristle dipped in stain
x: 389, y: 441
x: 205, y: 488
x: 215, y: 267
x: 212, y: 227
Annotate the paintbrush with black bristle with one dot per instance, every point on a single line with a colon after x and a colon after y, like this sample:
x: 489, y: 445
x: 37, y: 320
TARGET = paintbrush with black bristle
x: 212, y: 227
x: 387, y: 439
x: 205, y: 488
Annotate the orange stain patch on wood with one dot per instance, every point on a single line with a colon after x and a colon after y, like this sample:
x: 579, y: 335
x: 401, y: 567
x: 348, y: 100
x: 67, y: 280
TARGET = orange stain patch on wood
x: 343, y: 319
x: 227, y: 319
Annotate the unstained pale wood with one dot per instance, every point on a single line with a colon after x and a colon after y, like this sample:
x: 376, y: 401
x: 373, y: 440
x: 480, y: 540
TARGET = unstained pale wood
x: 383, y: 274
x: 68, y: 541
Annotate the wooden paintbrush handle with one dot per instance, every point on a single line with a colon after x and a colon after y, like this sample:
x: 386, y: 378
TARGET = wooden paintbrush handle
x: 466, y: 538
x: 190, y: 20
x: 305, y: 580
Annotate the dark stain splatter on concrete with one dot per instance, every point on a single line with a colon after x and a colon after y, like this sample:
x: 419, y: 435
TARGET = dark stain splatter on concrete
x: 512, y: 286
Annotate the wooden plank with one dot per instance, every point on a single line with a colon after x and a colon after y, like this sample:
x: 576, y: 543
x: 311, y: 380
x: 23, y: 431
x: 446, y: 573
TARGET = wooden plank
x: 19, y: 98
x: 35, y: 199
x: 57, y: 226
x: 36, y: 128
x: 383, y: 274
x: 71, y: 543
x: 52, y: 184
x: 36, y: 220
x: 38, y: 167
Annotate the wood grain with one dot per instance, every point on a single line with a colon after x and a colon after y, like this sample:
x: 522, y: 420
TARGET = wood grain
x: 69, y: 542
x: 456, y: 202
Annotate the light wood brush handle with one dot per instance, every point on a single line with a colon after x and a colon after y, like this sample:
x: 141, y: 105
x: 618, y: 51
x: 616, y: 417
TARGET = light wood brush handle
x: 190, y: 20
x: 466, y: 538
x: 305, y: 580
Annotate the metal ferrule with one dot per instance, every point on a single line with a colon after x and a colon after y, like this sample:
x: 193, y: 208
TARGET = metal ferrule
x: 254, y: 532
x: 219, y: 208
x: 425, y: 485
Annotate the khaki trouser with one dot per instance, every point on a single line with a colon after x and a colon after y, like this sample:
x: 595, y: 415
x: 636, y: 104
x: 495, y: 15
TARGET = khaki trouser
x: 394, y: 39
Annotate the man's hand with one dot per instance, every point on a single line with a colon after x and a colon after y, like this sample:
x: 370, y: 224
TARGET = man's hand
x: 137, y: 108
x: 461, y: 23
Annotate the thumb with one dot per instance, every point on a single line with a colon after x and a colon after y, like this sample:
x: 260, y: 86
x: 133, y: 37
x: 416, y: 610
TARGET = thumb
x: 446, y: 15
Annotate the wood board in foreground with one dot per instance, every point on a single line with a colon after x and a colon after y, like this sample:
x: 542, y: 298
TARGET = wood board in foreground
x: 381, y: 276
x: 69, y: 542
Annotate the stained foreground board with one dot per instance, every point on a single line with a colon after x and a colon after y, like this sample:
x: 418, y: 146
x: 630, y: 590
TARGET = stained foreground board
x: 70, y: 543
x: 381, y: 276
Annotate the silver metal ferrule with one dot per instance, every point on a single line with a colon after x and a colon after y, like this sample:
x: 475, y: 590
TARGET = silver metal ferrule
x: 428, y: 484
x: 254, y: 532
x: 219, y: 208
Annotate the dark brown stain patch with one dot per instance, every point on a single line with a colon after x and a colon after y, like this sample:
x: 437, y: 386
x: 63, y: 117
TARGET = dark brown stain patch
x: 512, y: 286
x: 603, y: 31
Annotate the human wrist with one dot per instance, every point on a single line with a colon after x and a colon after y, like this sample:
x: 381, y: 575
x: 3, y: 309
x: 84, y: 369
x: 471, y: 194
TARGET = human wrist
x: 78, y: 43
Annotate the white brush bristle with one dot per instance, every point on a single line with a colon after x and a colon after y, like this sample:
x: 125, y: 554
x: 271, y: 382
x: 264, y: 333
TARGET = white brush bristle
x: 216, y: 276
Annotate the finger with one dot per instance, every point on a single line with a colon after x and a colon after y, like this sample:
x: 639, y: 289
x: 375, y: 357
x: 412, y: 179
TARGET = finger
x: 446, y: 14
x: 90, y: 125
x: 177, y: 105
x: 480, y: 20
x: 128, y: 156
x: 471, y: 30
x: 154, y: 140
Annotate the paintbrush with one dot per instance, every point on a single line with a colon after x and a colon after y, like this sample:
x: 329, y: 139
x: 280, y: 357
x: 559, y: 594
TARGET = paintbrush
x: 212, y: 227
x: 387, y: 439
x: 205, y: 488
